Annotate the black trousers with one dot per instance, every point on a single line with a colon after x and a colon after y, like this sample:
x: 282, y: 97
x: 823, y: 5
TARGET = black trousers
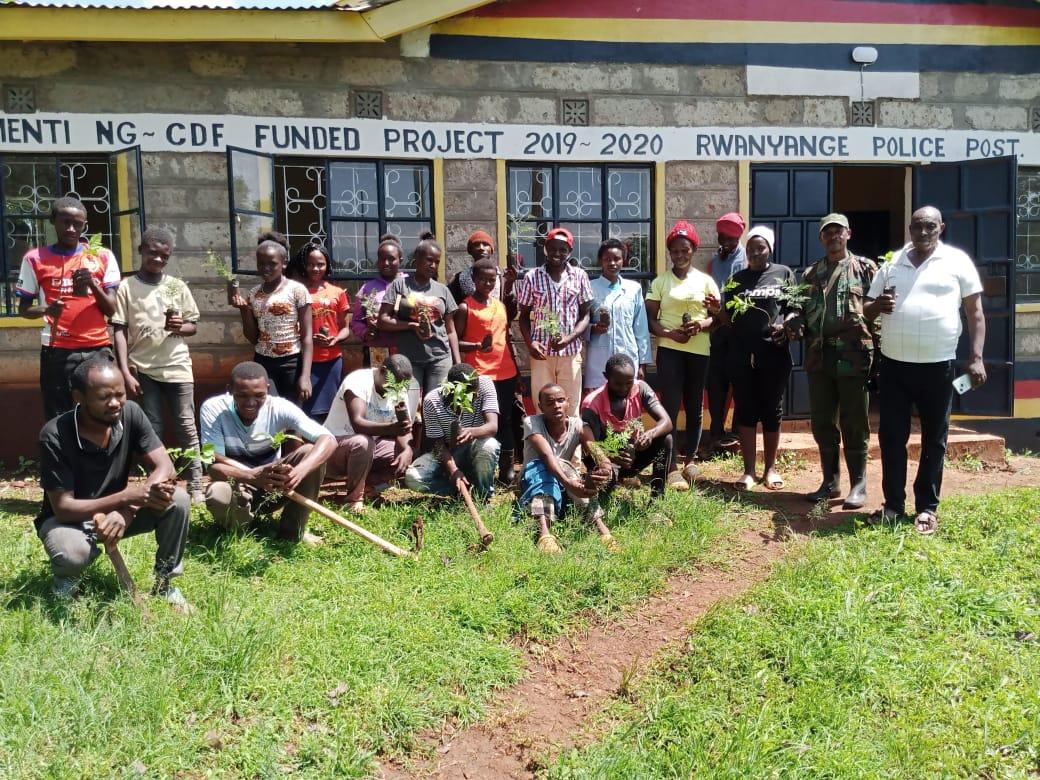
x: 680, y: 380
x: 759, y: 383
x: 284, y: 373
x: 505, y: 391
x: 56, y: 367
x: 928, y: 387
x: 718, y: 383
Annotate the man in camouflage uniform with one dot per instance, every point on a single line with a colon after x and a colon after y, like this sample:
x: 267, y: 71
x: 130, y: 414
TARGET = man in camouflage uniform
x: 839, y: 349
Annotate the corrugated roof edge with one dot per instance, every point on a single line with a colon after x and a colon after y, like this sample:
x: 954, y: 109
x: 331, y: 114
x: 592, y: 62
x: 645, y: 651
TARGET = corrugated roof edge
x: 214, y: 5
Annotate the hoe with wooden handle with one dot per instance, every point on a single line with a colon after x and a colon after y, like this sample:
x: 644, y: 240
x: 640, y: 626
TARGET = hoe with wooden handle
x: 486, y: 537
x: 327, y: 513
x: 126, y: 580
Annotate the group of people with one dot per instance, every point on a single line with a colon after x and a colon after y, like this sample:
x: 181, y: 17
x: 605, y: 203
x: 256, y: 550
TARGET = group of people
x: 437, y: 402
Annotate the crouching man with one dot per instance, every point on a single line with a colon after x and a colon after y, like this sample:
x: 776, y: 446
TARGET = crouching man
x: 612, y: 416
x: 549, y: 482
x: 249, y: 474
x: 85, y: 464
x: 372, y: 421
x: 461, y: 420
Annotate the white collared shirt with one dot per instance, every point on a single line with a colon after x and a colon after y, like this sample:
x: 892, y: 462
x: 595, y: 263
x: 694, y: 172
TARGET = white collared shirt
x: 926, y: 324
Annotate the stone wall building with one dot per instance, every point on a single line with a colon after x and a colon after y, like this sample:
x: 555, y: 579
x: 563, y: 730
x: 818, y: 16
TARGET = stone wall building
x: 339, y: 120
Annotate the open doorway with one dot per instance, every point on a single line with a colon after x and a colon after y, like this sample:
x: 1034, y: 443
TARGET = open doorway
x: 873, y: 197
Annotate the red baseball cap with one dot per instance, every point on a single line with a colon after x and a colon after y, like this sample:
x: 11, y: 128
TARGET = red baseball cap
x: 731, y: 225
x: 685, y: 230
x: 560, y: 234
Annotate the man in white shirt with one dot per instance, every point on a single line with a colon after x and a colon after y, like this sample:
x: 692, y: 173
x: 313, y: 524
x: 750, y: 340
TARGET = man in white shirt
x: 373, y: 443
x: 919, y: 295
x: 250, y: 475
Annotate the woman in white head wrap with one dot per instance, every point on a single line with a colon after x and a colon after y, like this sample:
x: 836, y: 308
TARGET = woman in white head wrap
x: 759, y: 358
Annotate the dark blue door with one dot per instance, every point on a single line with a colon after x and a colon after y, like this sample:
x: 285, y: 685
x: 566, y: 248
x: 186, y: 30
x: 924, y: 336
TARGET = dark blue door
x: 977, y: 201
x: 791, y: 200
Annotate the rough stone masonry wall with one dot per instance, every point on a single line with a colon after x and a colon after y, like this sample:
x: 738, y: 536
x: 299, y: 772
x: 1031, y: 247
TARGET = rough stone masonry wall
x: 188, y: 192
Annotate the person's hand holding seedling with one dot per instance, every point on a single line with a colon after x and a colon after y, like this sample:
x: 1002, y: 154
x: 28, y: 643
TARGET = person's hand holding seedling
x: 82, y: 281
x: 712, y: 303
x: 274, y: 477
x: 55, y: 309
x: 465, y: 435
x: 642, y: 440
x: 174, y: 322
x: 402, y: 461
x: 239, y: 301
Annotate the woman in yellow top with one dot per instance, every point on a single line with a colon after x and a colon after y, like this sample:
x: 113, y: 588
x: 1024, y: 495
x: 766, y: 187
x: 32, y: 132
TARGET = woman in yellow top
x: 678, y: 317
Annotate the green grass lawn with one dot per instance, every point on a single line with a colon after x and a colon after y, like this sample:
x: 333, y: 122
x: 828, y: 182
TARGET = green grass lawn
x: 877, y: 653
x: 300, y: 661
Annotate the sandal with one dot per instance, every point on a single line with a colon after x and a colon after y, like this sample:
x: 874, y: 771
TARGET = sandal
x: 926, y: 523
x: 774, y: 482
x: 548, y: 544
x: 746, y: 482
x: 675, y: 481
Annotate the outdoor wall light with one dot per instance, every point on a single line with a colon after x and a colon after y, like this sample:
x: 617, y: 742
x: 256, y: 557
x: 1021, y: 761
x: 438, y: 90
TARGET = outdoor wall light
x: 864, y: 55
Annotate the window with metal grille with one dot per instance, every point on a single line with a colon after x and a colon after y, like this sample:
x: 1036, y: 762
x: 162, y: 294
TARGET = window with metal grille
x: 345, y: 205
x: 1027, y: 244
x: 594, y: 202
x: 109, y: 186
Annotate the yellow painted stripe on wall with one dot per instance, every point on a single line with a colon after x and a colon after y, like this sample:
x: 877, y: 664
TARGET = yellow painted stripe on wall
x: 438, y: 213
x: 733, y: 31
x: 501, y: 209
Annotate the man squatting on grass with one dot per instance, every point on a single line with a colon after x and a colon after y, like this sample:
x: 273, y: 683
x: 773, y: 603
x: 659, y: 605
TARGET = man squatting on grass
x: 84, y: 469
x: 249, y: 466
x: 373, y: 447
x: 472, y: 457
x: 549, y: 481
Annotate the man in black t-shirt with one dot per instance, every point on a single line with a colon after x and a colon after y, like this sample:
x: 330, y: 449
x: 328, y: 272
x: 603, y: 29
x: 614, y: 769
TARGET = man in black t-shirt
x: 85, y: 458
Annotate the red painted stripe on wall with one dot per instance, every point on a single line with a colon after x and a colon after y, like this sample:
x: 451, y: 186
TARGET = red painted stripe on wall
x: 856, y: 11
x: 1027, y: 388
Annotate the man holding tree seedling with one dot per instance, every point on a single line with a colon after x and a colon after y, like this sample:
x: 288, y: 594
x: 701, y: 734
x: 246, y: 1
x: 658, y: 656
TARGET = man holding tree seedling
x: 555, y: 300
x: 613, y: 420
x: 372, y: 420
x: 74, y: 280
x: 85, y: 459
x: 247, y: 427
x: 549, y: 481
x: 461, y: 420
x: 155, y: 312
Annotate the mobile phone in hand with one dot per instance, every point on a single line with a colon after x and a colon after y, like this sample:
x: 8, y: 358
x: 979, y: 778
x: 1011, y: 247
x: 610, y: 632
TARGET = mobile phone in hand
x: 962, y: 384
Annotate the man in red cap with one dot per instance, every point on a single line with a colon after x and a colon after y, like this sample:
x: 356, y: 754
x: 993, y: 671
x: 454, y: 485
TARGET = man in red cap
x: 555, y: 300
x: 481, y: 246
x: 727, y: 261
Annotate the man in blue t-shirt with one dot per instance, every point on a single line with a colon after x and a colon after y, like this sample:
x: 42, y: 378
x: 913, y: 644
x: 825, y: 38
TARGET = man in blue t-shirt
x: 249, y: 474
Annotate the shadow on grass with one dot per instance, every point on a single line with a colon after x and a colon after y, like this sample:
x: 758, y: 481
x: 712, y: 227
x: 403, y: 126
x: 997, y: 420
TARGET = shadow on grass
x: 20, y: 506
x: 791, y: 513
x: 30, y: 589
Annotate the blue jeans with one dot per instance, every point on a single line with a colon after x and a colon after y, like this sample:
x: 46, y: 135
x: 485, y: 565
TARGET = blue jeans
x: 477, y: 459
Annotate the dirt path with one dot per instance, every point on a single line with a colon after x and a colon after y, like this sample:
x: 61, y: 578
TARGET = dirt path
x: 568, y: 684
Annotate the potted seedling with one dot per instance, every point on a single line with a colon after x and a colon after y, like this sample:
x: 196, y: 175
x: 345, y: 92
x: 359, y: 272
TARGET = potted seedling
x: 686, y: 318
x: 396, y: 391
x: 425, y: 323
x: 460, y: 397
x: 549, y: 323
x: 603, y: 316
x: 216, y: 262
x: 485, y: 343
x: 92, y: 251
x: 370, y: 306
x: 170, y: 293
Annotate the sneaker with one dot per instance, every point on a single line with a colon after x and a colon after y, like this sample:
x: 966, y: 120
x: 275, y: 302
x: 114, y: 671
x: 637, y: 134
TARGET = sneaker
x: 65, y: 588
x: 174, y: 597
x: 727, y: 440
